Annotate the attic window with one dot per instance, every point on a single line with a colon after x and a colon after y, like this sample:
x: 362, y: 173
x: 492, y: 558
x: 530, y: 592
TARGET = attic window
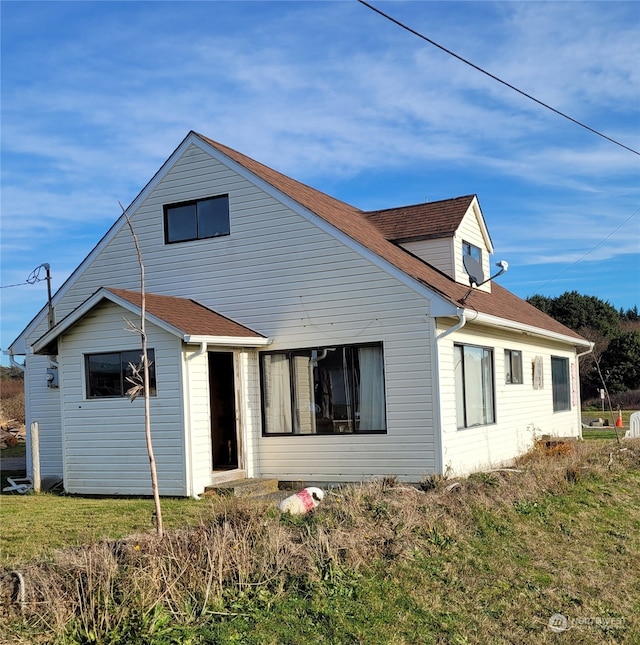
x: 196, y: 220
x: 470, y: 249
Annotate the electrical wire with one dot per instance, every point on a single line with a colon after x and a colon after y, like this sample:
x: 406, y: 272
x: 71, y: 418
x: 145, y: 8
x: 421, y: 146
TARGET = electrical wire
x: 32, y: 278
x: 495, y: 78
x: 590, y: 251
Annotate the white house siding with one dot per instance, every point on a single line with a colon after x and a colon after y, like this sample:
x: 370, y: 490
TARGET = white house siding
x: 104, y: 439
x: 248, y: 374
x: 288, y: 279
x: 44, y: 407
x: 522, y: 413
x: 197, y: 430
x: 470, y: 231
x: 437, y: 252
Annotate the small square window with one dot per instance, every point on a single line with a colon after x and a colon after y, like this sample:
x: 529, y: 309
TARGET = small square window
x: 512, y: 366
x: 197, y: 220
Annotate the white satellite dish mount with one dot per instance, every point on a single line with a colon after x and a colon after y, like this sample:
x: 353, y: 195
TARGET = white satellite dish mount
x: 476, y: 274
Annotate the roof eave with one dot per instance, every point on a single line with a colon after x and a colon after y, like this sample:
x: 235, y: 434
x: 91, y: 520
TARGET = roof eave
x: 528, y: 330
x: 227, y: 341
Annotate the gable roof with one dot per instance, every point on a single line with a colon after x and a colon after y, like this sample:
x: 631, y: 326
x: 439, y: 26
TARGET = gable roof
x: 359, y: 226
x: 182, y: 317
x: 421, y: 221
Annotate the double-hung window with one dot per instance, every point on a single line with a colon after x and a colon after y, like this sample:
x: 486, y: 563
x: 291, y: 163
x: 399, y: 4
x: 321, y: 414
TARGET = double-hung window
x: 111, y: 374
x: 329, y: 390
x: 196, y: 220
x: 473, y: 371
x: 560, y: 384
x: 471, y: 249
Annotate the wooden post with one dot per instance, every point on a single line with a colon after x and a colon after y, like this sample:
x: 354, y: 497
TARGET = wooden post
x: 35, y: 456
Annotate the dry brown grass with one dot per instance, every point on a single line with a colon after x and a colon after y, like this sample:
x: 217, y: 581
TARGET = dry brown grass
x: 12, y: 401
x: 247, y: 545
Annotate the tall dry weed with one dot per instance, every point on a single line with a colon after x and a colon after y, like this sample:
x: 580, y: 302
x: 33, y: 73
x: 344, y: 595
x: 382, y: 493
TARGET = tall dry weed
x: 248, y: 547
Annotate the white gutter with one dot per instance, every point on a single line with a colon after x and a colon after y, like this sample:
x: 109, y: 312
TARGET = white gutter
x: 14, y: 362
x: 587, y: 351
x: 227, y: 341
x: 527, y: 330
x: 462, y: 321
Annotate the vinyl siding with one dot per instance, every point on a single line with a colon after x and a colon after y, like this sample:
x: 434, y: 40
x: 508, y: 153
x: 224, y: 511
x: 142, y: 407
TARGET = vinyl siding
x: 44, y: 407
x: 438, y: 253
x: 285, y: 277
x: 104, y: 439
x: 522, y: 413
x: 470, y: 231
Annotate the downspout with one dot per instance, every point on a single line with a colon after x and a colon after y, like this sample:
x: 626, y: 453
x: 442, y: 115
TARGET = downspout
x: 14, y: 362
x: 586, y: 351
x: 189, y: 461
x: 462, y: 321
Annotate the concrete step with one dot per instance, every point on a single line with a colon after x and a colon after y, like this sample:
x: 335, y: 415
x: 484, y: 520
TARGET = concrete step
x: 244, y: 488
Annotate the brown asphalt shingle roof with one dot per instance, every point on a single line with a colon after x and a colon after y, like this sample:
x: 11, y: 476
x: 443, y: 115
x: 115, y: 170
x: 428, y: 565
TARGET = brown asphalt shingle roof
x: 421, y: 221
x: 188, y: 316
x: 360, y: 226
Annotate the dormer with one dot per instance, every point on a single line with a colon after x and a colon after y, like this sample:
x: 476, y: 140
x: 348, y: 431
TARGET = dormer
x: 440, y: 233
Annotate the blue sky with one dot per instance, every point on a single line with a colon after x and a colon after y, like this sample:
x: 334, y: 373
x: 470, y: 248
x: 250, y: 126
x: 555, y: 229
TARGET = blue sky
x: 95, y: 97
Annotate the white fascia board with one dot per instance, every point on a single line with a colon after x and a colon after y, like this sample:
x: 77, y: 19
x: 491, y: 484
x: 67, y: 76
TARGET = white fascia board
x: 20, y: 341
x: 475, y: 206
x: 529, y: 330
x: 227, y: 341
x: 320, y: 222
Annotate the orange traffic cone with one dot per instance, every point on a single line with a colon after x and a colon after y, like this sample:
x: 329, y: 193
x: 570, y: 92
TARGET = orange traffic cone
x: 619, y: 419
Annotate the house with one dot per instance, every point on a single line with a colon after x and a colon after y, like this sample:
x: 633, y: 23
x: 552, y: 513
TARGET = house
x: 292, y: 336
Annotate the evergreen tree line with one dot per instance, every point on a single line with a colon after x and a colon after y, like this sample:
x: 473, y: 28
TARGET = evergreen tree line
x: 616, y: 334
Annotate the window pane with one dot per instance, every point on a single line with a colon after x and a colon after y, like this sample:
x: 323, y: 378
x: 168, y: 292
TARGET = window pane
x: 135, y: 358
x: 560, y: 383
x: 507, y: 366
x: 516, y: 367
x: 103, y: 375
x: 334, y: 411
x: 277, y: 393
x: 474, y: 399
x: 303, y: 395
x: 458, y: 371
x: 487, y: 386
x: 213, y: 217
x: 181, y: 223
x: 369, y: 375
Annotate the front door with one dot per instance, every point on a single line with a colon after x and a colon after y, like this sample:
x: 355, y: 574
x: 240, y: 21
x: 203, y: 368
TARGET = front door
x: 224, y: 441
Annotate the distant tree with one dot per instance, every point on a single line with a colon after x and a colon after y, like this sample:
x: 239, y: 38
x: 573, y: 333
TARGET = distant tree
x: 620, y: 363
x: 615, y: 333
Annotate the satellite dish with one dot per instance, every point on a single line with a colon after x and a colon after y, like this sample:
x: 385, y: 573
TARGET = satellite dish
x: 474, y: 270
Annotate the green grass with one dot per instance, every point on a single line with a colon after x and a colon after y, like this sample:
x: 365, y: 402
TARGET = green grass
x: 489, y: 562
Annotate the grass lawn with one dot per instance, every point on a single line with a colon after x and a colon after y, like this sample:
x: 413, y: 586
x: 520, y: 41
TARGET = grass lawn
x: 488, y: 561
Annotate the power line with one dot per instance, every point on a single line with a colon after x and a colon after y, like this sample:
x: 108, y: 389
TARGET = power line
x: 589, y: 252
x: 32, y: 278
x: 495, y: 78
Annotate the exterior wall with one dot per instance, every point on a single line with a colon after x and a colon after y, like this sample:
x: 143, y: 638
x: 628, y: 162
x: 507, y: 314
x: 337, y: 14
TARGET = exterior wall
x: 469, y: 231
x: 197, y: 429
x: 285, y: 277
x: 438, y: 253
x: 104, y: 440
x: 522, y: 413
x: 44, y: 407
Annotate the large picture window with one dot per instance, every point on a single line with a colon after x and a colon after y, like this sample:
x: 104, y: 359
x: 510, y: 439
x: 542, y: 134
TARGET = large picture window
x: 196, y: 220
x: 473, y: 370
x: 332, y: 390
x: 107, y: 373
x: 560, y: 384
